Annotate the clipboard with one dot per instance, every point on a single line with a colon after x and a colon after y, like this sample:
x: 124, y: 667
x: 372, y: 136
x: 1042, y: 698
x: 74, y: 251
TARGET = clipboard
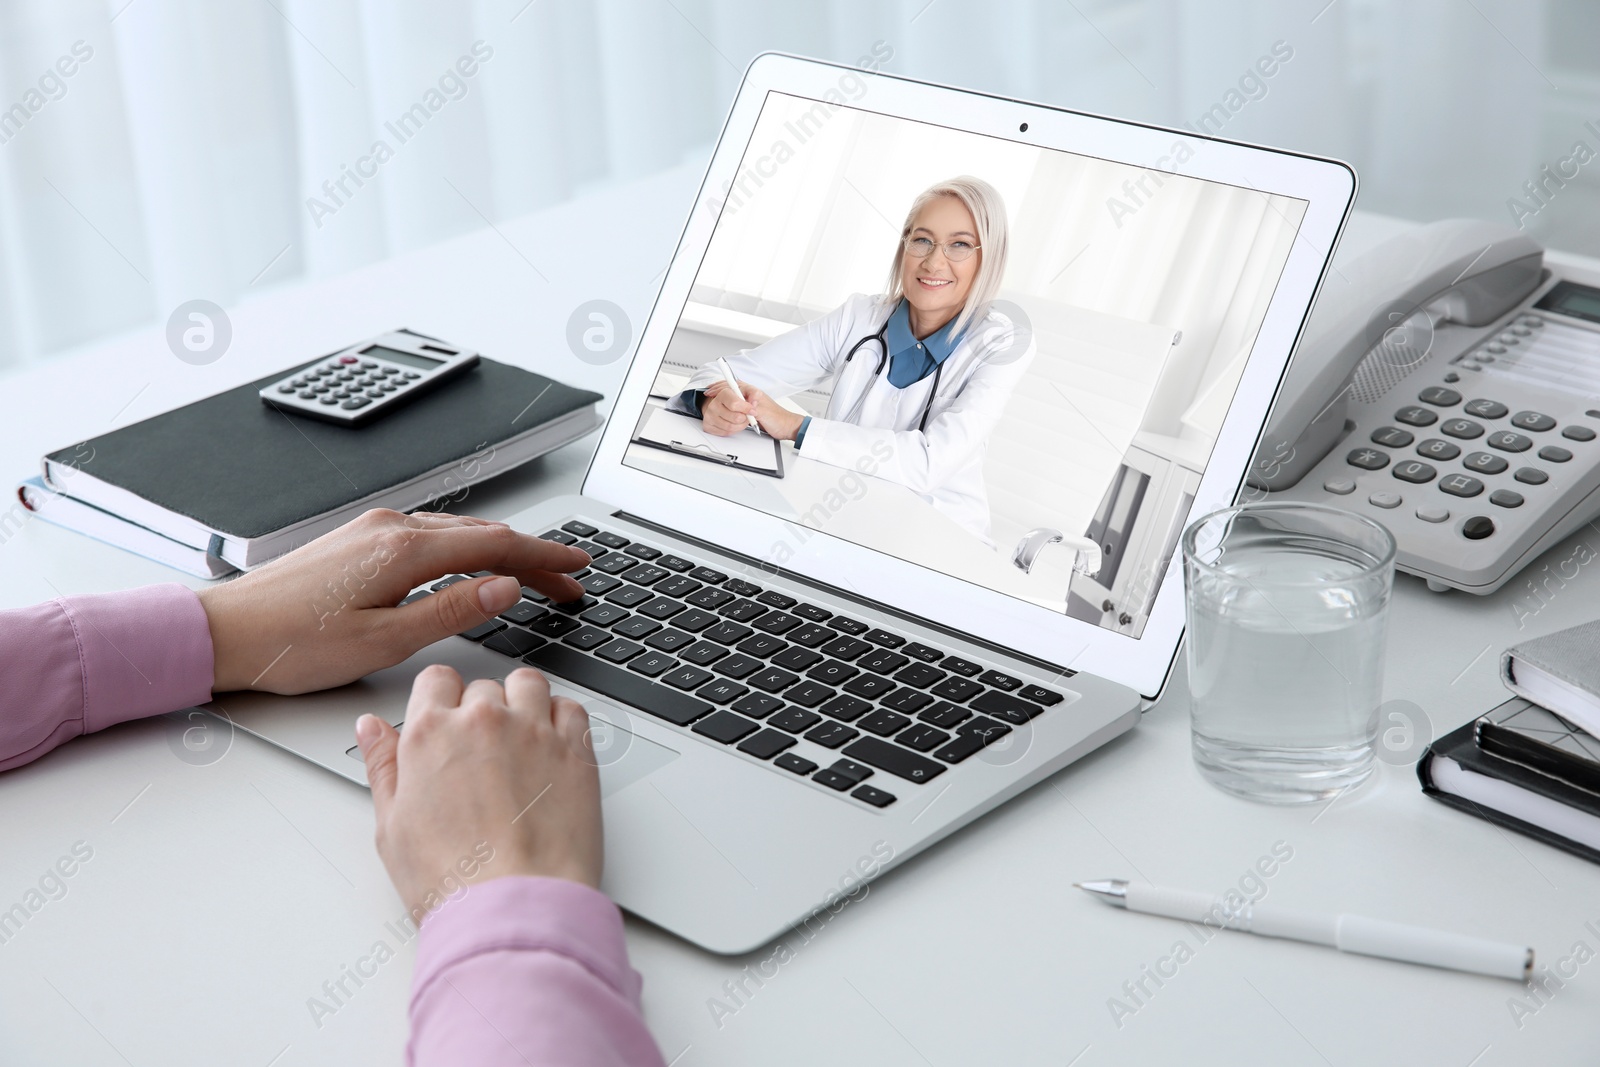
x: 746, y: 450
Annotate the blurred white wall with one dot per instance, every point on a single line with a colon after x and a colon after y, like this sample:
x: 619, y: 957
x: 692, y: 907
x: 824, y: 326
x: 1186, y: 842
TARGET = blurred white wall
x: 177, y: 158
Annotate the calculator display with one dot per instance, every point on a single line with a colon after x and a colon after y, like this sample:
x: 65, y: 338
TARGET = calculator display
x: 348, y: 390
x: 410, y: 359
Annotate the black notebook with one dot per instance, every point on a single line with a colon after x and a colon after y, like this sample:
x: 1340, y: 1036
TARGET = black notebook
x: 1521, y: 731
x: 247, y: 482
x: 1520, y: 793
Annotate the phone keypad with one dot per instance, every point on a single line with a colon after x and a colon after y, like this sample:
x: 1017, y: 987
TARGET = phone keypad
x: 1368, y: 459
x: 1506, y: 441
x: 1414, y: 472
x: 1486, y: 409
x: 1506, y: 498
x: 1397, y: 451
x: 1463, y: 429
x: 1462, y: 485
x: 1412, y: 415
x: 1391, y: 437
x: 1484, y: 463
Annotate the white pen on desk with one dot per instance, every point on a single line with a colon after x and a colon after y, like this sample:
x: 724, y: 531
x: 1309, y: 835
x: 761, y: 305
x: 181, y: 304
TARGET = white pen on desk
x: 733, y: 383
x: 1347, y: 933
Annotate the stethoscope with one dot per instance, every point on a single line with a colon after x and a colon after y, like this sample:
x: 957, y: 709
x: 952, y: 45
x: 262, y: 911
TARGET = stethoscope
x: 883, y: 358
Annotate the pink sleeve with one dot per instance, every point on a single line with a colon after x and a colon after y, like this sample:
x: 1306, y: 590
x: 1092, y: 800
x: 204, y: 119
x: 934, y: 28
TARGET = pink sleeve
x: 81, y: 663
x: 526, y: 970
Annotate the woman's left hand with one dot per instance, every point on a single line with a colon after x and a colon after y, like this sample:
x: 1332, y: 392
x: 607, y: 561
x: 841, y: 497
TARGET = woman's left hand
x: 326, y: 613
x: 774, y: 419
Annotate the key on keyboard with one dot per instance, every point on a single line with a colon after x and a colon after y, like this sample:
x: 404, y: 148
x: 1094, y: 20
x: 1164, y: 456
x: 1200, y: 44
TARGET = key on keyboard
x: 763, y: 645
x: 898, y: 761
x: 725, y: 726
x: 757, y: 705
x: 882, y: 662
x: 767, y: 743
x: 513, y: 642
x: 1007, y: 707
x: 617, y: 683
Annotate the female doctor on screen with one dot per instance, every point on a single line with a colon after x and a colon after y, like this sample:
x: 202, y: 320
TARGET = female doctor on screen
x: 925, y: 370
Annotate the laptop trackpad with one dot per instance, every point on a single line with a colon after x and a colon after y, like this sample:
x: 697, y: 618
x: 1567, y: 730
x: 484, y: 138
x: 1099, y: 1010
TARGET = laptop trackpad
x: 624, y: 757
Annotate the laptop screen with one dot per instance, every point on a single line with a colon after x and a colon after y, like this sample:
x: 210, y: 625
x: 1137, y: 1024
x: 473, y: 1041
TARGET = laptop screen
x: 1004, y: 362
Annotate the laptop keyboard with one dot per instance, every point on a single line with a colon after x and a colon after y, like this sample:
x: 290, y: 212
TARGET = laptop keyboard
x: 758, y: 670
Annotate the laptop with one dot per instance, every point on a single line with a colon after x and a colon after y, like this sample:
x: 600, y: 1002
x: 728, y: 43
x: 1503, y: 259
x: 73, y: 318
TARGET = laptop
x: 798, y: 682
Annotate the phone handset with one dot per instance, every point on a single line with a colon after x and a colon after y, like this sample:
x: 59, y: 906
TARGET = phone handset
x: 1458, y: 270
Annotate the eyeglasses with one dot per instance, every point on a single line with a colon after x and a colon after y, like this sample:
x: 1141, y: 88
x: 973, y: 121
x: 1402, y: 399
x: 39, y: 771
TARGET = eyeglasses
x: 954, y: 251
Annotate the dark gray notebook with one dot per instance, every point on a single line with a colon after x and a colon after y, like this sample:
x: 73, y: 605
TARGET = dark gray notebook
x: 250, y: 481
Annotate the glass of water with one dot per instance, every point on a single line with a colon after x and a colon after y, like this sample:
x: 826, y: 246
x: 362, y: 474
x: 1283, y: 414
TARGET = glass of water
x: 1287, y: 606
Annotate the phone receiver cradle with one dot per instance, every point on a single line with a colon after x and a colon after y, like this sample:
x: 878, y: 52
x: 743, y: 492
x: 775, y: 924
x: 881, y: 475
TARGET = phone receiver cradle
x: 1442, y: 389
x: 1460, y: 270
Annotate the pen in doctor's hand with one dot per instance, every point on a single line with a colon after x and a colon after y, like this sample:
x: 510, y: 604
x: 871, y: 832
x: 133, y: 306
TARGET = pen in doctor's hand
x: 1347, y: 933
x: 733, y: 383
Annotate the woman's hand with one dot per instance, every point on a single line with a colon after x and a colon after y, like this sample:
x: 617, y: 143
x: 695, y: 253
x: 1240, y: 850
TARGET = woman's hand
x: 326, y: 614
x: 508, y: 767
x: 724, y: 413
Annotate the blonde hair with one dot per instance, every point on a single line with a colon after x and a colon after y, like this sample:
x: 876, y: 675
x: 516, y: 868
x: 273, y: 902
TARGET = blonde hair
x: 989, y: 215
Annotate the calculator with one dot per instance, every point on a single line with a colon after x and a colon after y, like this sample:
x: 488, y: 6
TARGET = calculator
x: 361, y: 383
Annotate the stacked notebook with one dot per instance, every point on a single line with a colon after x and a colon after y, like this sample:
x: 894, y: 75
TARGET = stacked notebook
x: 1533, y: 763
x: 229, y: 482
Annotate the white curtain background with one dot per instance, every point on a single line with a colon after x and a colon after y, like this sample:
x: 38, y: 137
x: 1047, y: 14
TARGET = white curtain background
x: 175, y: 161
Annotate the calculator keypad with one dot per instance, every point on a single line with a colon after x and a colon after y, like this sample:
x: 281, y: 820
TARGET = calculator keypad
x: 346, y: 383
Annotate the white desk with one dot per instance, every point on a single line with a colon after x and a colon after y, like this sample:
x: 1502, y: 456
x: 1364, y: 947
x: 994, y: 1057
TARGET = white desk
x: 220, y: 898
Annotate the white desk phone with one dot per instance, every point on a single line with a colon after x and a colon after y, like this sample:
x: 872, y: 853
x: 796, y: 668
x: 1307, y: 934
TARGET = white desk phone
x: 1464, y: 378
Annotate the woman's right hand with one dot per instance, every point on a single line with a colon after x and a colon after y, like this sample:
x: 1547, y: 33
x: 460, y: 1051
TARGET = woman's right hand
x: 508, y: 767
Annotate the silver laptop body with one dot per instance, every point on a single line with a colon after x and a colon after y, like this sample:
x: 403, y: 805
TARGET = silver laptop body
x: 727, y: 847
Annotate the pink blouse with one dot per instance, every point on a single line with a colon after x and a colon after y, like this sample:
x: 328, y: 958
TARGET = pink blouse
x: 514, y: 971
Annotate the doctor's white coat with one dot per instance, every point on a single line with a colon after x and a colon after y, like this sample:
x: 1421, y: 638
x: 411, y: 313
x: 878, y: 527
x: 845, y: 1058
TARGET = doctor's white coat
x: 942, y: 464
